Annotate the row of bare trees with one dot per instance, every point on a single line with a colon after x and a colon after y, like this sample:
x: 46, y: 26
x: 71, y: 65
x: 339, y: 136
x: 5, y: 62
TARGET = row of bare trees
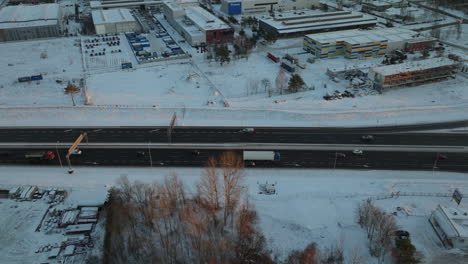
x: 380, y: 228
x: 166, y: 223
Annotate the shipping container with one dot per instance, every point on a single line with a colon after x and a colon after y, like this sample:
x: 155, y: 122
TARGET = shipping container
x: 36, y: 77
x: 273, y: 57
x: 287, y: 66
x: 24, y: 79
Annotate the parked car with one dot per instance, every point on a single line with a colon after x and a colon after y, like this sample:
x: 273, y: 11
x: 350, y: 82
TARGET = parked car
x: 402, y: 234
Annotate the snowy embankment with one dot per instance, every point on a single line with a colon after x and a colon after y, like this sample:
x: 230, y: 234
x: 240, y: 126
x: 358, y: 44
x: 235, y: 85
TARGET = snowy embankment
x: 309, y: 206
x: 141, y: 116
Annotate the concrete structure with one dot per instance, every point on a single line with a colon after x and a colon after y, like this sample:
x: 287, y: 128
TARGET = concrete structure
x: 109, y: 4
x: 355, y: 44
x: 114, y: 21
x: 376, y: 6
x: 291, y: 24
x: 30, y: 22
x: 231, y: 7
x: 451, y: 225
x: 30, y: 2
x: 96, y: 5
x: 412, y: 72
x: 197, y: 25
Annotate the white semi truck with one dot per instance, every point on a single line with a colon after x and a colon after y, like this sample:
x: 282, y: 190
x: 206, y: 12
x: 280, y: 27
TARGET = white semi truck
x: 261, y: 155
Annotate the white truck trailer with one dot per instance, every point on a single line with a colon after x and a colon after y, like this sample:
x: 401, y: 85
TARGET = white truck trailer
x: 261, y: 155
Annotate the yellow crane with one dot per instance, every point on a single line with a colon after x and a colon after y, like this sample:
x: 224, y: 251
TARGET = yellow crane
x: 73, y: 148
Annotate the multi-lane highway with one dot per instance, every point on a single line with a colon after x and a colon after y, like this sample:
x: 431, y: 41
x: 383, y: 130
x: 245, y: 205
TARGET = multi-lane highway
x: 230, y: 135
x: 289, y: 158
x: 392, y: 148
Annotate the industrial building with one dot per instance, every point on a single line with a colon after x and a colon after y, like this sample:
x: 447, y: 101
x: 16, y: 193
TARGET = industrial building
x: 412, y: 73
x: 450, y: 225
x: 246, y: 7
x: 30, y: 22
x: 96, y: 5
x: 30, y: 2
x: 197, y: 25
x: 297, y: 23
x: 114, y: 21
x: 355, y: 44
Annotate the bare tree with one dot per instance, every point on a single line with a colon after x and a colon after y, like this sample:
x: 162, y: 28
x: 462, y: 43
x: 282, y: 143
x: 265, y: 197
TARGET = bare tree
x: 266, y: 84
x: 310, y: 255
x: 71, y: 90
x: 281, y: 81
x: 355, y: 257
x: 232, y: 170
x: 209, y: 188
x: 380, y: 228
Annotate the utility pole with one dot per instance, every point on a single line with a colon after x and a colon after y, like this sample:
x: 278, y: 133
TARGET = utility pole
x: 171, y: 126
x: 58, y: 154
x: 336, y: 157
x: 149, y: 152
x: 435, y: 164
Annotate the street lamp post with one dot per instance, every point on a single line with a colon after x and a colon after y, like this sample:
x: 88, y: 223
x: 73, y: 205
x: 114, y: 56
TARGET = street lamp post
x: 435, y: 163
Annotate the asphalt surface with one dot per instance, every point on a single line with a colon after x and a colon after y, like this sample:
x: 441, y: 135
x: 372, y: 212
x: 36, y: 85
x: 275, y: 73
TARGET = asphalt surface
x: 293, y: 159
x: 231, y: 135
x: 378, y: 159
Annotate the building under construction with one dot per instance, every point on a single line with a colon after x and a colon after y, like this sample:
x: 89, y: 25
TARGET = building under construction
x: 412, y: 73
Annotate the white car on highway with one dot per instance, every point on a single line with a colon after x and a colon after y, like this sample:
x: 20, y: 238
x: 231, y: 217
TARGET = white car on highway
x: 357, y: 151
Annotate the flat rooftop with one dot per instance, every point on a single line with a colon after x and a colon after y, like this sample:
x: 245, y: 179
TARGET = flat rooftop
x: 413, y: 66
x: 288, y: 22
x: 29, y: 15
x: 190, y: 28
x: 357, y: 36
x: 117, y: 4
x: 204, y: 19
x: 112, y: 16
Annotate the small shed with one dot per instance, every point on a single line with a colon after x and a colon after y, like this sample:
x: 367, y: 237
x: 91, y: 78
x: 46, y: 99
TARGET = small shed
x: 451, y: 226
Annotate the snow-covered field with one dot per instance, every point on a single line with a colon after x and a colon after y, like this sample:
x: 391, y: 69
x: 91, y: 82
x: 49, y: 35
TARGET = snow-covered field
x: 170, y: 85
x: 55, y: 59
x: 310, y: 205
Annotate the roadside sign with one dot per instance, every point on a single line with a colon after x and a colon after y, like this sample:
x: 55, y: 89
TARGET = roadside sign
x: 457, y: 196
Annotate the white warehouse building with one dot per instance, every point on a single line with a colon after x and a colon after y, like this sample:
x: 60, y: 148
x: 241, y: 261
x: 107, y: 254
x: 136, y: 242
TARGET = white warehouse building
x: 24, y: 22
x: 246, y: 7
x: 114, y: 21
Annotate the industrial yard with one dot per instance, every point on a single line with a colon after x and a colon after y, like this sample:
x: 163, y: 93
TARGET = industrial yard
x: 186, y: 77
x: 50, y: 224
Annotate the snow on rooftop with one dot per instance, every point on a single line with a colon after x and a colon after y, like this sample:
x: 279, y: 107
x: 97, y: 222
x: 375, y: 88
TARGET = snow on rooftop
x: 112, y: 16
x: 287, y: 22
x: 454, y: 221
x: 25, y: 15
x: 355, y: 35
x: 204, y: 19
x: 413, y: 66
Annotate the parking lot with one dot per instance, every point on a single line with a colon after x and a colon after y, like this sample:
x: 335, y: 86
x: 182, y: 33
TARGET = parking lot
x: 107, y: 51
